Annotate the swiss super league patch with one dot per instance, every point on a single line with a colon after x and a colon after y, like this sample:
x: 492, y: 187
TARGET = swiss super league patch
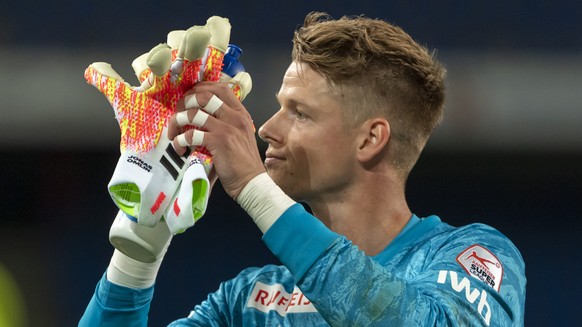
x: 482, y: 264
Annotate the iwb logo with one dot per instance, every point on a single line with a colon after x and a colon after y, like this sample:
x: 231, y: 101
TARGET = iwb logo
x: 471, y: 295
x: 274, y: 297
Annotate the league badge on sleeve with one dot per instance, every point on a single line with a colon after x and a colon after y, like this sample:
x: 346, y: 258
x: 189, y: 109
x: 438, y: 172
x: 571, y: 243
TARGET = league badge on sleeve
x: 482, y: 264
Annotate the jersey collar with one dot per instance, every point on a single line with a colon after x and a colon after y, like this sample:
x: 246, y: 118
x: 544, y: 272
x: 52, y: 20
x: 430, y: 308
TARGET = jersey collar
x: 413, y: 231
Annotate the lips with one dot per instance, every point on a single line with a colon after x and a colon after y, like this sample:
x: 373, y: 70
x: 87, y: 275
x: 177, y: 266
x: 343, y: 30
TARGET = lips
x: 272, y: 159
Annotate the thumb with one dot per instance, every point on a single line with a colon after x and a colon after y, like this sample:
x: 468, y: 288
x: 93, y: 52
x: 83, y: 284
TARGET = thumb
x: 101, y: 70
x: 103, y: 77
x: 241, y: 84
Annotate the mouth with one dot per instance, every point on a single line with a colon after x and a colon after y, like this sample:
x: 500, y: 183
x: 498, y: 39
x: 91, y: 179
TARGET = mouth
x: 272, y: 159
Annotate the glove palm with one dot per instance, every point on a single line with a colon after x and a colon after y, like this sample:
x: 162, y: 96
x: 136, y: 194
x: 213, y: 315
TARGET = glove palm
x: 149, y: 171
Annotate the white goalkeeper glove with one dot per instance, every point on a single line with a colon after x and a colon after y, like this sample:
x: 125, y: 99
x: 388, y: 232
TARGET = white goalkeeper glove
x: 149, y: 171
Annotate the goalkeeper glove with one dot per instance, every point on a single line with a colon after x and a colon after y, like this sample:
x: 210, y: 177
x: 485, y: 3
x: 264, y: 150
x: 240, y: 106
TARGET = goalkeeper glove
x: 149, y: 171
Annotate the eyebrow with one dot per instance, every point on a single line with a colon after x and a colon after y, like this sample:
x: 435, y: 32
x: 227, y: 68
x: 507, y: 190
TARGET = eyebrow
x: 292, y: 101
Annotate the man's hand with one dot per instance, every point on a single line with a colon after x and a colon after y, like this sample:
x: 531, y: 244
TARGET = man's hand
x: 229, y: 135
x: 190, y: 201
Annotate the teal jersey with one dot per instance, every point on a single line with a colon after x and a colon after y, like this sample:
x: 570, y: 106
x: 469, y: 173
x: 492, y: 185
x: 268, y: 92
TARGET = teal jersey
x: 430, y: 274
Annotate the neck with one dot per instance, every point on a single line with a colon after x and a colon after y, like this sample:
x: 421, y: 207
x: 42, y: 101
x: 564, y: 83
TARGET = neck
x: 370, y: 214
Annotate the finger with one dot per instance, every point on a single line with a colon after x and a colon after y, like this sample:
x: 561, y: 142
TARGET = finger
x: 205, y: 90
x: 211, y: 105
x: 190, y: 138
x: 191, y: 118
x: 209, y: 90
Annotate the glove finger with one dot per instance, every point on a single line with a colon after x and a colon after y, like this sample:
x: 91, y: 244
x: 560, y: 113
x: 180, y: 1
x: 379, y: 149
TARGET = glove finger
x: 140, y: 65
x: 159, y: 59
x: 103, y: 77
x: 103, y: 69
x: 220, y: 35
x: 192, y: 49
x: 175, y: 39
x: 194, y: 43
x: 220, y: 30
x: 141, y: 68
x: 241, y: 84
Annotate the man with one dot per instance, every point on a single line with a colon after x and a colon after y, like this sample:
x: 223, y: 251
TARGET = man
x: 358, y: 103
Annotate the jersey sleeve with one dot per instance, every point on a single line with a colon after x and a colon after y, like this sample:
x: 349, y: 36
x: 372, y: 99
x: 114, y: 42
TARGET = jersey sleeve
x: 349, y: 288
x: 114, y: 305
x: 118, y: 306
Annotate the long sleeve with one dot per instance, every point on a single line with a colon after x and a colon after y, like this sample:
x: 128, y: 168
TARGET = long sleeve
x: 114, y: 305
x: 420, y: 287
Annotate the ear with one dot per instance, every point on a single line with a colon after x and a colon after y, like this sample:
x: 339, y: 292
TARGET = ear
x: 373, y: 139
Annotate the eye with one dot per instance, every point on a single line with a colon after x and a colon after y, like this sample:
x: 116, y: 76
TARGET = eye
x: 301, y: 115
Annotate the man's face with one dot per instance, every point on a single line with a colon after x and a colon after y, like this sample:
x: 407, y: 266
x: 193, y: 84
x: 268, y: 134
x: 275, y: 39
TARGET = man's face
x: 311, y: 155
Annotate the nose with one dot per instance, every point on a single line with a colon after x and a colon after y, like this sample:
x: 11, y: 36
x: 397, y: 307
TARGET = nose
x: 271, y: 131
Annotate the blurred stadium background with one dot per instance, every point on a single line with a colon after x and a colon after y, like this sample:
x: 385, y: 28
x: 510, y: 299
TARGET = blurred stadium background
x: 507, y: 154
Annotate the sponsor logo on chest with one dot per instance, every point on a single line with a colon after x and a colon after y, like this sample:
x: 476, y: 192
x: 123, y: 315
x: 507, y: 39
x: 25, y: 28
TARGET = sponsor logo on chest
x: 267, y: 298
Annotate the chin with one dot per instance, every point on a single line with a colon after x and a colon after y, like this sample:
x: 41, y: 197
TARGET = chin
x: 286, y: 184
x: 285, y: 187
x: 291, y: 191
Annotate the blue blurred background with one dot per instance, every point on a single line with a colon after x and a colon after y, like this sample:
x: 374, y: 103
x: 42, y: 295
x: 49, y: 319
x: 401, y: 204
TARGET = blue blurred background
x: 507, y: 154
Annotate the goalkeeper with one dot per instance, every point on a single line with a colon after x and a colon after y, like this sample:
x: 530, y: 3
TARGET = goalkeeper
x: 357, y: 105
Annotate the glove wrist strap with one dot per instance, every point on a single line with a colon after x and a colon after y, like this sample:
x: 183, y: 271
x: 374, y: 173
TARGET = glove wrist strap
x: 125, y: 271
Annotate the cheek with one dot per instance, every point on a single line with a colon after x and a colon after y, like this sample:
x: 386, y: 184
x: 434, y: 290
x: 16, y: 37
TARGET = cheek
x: 318, y: 150
x: 305, y: 145
x: 334, y: 153
x: 315, y: 156
x: 300, y: 155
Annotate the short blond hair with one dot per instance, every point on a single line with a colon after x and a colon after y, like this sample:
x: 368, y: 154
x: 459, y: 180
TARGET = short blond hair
x: 377, y: 69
